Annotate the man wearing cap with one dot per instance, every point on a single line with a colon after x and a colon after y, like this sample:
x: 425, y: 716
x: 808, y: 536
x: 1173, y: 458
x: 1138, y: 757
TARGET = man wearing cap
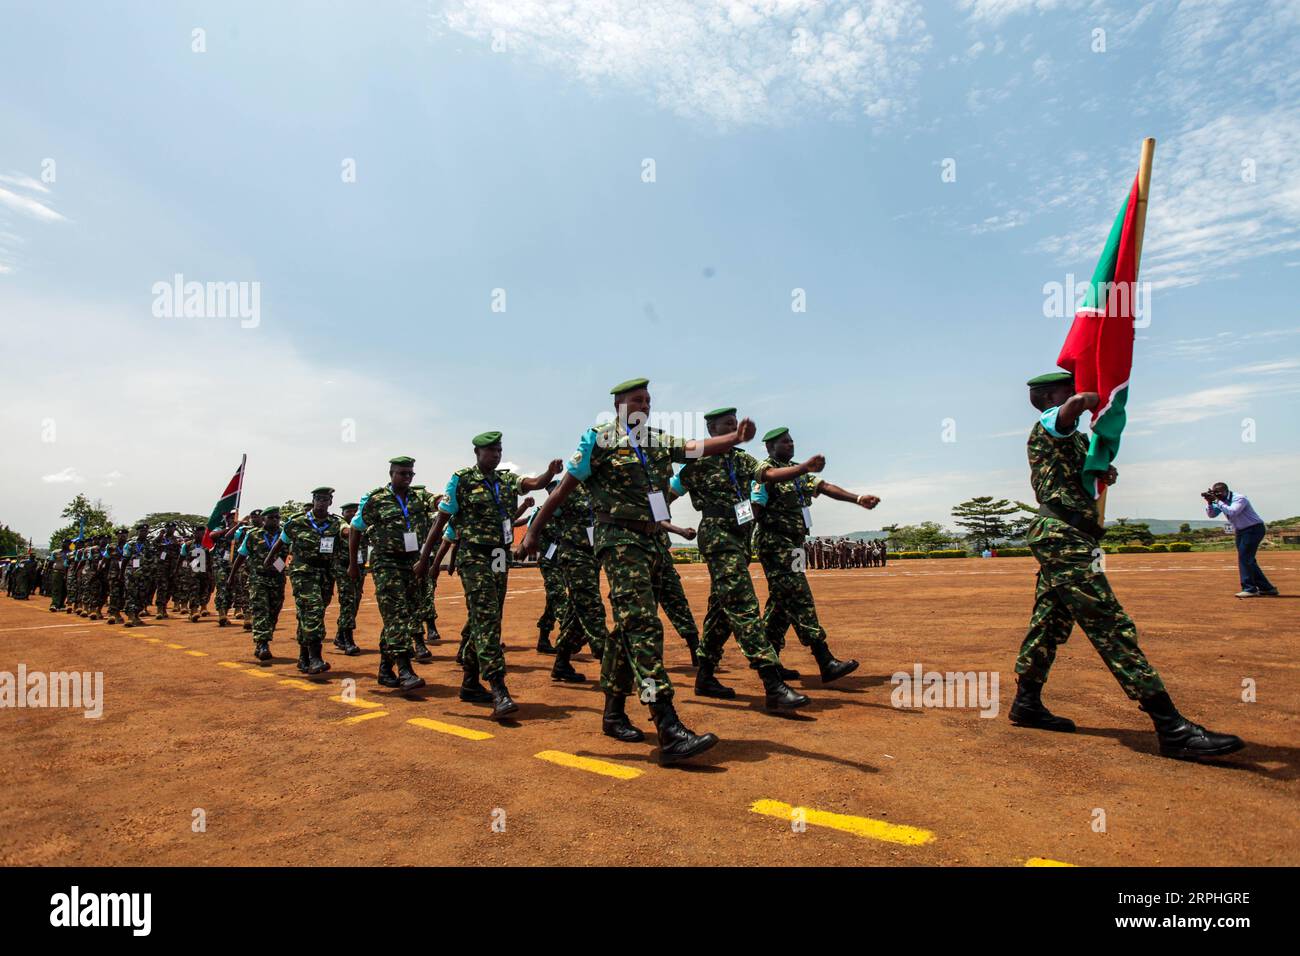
x: 349, y: 590
x: 265, y: 580
x: 783, y: 493
x: 310, y: 539
x: 720, y: 488
x: 389, y: 517
x: 222, y: 539
x: 428, y: 587
x: 169, y: 552
x: 137, y: 573
x: 484, y: 502
x: 1072, y: 588
x: 626, y: 466
x: 239, y: 584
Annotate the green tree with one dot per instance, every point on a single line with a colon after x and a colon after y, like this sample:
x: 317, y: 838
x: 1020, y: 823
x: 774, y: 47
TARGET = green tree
x: 97, y: 516
x: 1125, y: 533
x: 1184, y: 528
x: 11, y: 542
x: 985, y: 519
x: 184, y: 523
x: 927, y: 536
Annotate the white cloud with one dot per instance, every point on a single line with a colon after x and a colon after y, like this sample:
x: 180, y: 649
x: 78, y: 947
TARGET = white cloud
x: 1206, y: 403
x: 63, y: 477
x: 28, y: 206
x: 995, y: 11
x: 738, y: 63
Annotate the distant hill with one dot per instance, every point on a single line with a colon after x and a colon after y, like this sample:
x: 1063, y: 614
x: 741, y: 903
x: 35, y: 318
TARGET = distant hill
x: 862, y: 535
x: 1167, y: 526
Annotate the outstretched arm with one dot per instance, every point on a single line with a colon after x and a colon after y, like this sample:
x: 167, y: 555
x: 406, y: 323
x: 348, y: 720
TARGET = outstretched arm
x: 538, y: 482
x: 528, y: 546
x: 718, y: 444
x: 839, y: 494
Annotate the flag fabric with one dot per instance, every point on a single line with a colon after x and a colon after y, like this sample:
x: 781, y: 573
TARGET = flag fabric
x: 225, y: 504
x: 1099, y: 347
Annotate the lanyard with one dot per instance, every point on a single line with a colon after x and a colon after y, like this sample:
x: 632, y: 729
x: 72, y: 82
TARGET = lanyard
x: 270, y: 542
x: 645, y: 464
x: 402, y: 504
x: 139, y: 548
x: 318, y: 528
x: 731, y: 473
x: 495, y: 489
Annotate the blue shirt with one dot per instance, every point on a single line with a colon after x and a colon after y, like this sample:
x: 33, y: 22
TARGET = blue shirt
x: 1236, y: 509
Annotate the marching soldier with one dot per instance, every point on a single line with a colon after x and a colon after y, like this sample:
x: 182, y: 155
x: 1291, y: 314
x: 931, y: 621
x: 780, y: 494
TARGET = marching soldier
x: 1072, y: 589
x: 239, y: 584
x: 583, y: 618
x: 349, y: 590
x: 222, y: 539
x: 310, y: 539
x: 552, y: 584
x: 626, y: 467
x: 166, y: 569
x: 265, y: 580
x: 137, y: 573
x: 784, y: 492
x: 428, y: 587
x: 483, y: 502
x: 116, y: 568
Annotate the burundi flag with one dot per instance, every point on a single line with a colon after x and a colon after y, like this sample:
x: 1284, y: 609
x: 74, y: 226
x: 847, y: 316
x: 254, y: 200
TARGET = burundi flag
x: 1099, y: 348
x: 228, y: 501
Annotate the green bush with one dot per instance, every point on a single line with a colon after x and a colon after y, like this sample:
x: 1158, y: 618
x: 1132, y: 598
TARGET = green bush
x: 907, y: 554
x: 1132, y: 549
x: 1158, y: 548
x: 1180, y: 546
x: 950, y: 553
x: 1014, y: 552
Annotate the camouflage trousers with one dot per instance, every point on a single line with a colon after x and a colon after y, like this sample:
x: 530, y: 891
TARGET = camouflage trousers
x: 733, y: 609
x: 671, y: 597
x: 312, y: 589
x: 59, y: 594
x: 239, y: 590
x: 265, y: 600
x: 484, y: 571
x: 221, y: 577
x: 116, y: 593
x: 583, y: 619
x: 165, y: 585
x: 69, y: 584
x: 633, y: 662
x: 556, y: 594
x: 96, y: 590
x: 398, y: 595
x: 349, y: 597
x: 429, y: 591
x: 1072, y: 589
x: 789, y: 598
x: 136, y: 587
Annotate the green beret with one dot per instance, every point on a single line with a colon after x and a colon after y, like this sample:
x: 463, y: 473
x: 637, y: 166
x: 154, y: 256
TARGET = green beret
x: 271, y: 512
x: 486, y: 438
x: 776, y: 433
x: 718, y: 413
x: 402, y: 460
x: 1050, y: 378
x: 629, y: 385
x: 322, y: 490
x: 351, y: 504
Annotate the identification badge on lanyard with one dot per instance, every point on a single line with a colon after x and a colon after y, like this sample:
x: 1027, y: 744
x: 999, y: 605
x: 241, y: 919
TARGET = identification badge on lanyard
x: 162, y: 555
x: 591, y: 535
x: 507, y: 530
x: 658, y: 507
x: 326, y: 545
x: 807, y: 517
x: 361, y: 555
x: 135, y: 562
x: 409, y: 542
x: 744, y: 512
x: 278, y: 564
x: 550, y: 552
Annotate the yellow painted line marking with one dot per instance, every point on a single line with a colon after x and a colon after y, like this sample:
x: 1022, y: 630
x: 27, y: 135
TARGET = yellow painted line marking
x: 197, y: 653
x: 154, y: 640
x: 177, y: 647
x: 357, y: 718
x: 253, y: 673
x: 298, y: 684
x: 858, y: 826
x: 357, y: 702
x: 1044, y: 861
x: 229, y: 664
x: 454, y: 729
x: 602, y: 767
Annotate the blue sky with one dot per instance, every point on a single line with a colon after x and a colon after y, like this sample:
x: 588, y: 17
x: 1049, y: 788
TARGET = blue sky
x: 501, y: 146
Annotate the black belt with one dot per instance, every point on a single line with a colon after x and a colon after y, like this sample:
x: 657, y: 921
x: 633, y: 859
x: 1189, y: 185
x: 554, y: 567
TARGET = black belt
x: 1075, y: 519
x: 632, y: 524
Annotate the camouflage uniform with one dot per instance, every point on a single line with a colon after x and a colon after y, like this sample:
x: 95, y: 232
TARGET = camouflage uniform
x: 716, y: 485
x: 265, y: 585
x: 59, y: 580
x: 672, y: 598
x: 1072, y: 587
x: 619, y: 478
x: 392, y: 566
x: 138, y: 575
x: 552, y: 579
x: 165, y: 572
x: 428, y: 593
x: 312, y: 546
x: 484, y: 517
x: 583, y: 617
x: 116, y: 585
x: 779, y: 537
x: 349, y: 590
x: 220, y: 567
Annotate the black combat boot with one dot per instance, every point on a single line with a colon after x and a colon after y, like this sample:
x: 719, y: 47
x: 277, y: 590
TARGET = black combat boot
x: 422, y: 655
x: 779, y: 696
x: 707, y: 685
x: 615, y: 723
x: 315, y: 663
x: 407, y: 679
x: 676, y: 742
x: 387, y: 677
x: 1182, y: 739
x: 544, y: 645
x: 693, y: 645
x: 304, y: 659
x: 830, y: 667
x: 786, y: 672
x: 1027, y: 709
x: 471, y: 691
x: 563, y: 670
x: 352, y: 650
x: 262, y: 650
x: 433, y: 636
x: 340, y: 639
x: 502, y: 705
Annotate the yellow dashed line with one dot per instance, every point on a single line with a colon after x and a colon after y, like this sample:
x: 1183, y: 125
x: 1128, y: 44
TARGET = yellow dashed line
x: 356, y: 702
x: 229, y: 664
x: 357, y: 718
x: 154, y: 640
x: 1044, y: 861
x: 454, y: 729
x: 298, y: 684
x: 177, y: 647
x: 858, y: 826
x: 197, y: 653
x: 255, y: 673
x: 602, y: 767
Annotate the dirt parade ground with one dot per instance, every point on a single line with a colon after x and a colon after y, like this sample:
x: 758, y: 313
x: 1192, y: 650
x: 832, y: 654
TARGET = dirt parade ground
x: 204, y: 756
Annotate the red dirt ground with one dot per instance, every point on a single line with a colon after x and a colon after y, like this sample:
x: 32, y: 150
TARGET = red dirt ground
x: 282, y: 780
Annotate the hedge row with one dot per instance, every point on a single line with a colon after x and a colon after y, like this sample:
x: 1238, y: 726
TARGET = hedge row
x: 1178, y: 546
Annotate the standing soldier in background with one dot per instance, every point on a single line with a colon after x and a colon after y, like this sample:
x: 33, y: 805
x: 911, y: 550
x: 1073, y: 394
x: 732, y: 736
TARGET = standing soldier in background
x: 428, y: 587
x: 239, y: 583
x: 784, y: 493
x: 265, y: 580
x: 552, y: 584
x: 1065, y: 539
x: 349, y: 590
x: 168, y: 561
x: 58, y: 577
x: 310, y: 539
x: 116, y: 582
x: 70, y: 578
x: 389, y: 517
x: 190, y: 571
x: 583, y: 620
x: 138, y: 573
x: 719, y: 488
x: 222, y: 539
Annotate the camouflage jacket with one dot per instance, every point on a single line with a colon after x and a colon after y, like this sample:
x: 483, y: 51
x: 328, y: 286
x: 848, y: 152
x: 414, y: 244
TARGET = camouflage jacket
x: 144, y: 552
x: 570, y: 521
x: 1056, y: 469
x: 709, y: 482
x: 302, y: 537
x: 482, y: 509
x: 381, y: 517
x: 255, y: 546
x: 617, y: 478
x: 781, y: 520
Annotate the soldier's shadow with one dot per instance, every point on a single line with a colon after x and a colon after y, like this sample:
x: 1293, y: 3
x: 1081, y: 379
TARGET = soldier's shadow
x: 1249, y: 760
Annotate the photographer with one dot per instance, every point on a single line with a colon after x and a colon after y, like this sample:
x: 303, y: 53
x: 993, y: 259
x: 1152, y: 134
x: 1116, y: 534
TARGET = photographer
x: 1248, y: 529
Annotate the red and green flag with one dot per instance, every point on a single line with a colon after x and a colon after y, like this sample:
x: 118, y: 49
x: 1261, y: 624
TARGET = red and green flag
x: 227, y: 503
x: 1099, y: 348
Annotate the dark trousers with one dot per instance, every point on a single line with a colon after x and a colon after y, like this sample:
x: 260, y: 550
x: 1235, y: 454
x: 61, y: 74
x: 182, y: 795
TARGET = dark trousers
x: 1252, y: 578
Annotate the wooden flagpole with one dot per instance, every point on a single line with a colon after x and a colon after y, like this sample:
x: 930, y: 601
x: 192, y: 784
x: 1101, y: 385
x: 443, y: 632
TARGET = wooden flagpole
x: 1139, y: 228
